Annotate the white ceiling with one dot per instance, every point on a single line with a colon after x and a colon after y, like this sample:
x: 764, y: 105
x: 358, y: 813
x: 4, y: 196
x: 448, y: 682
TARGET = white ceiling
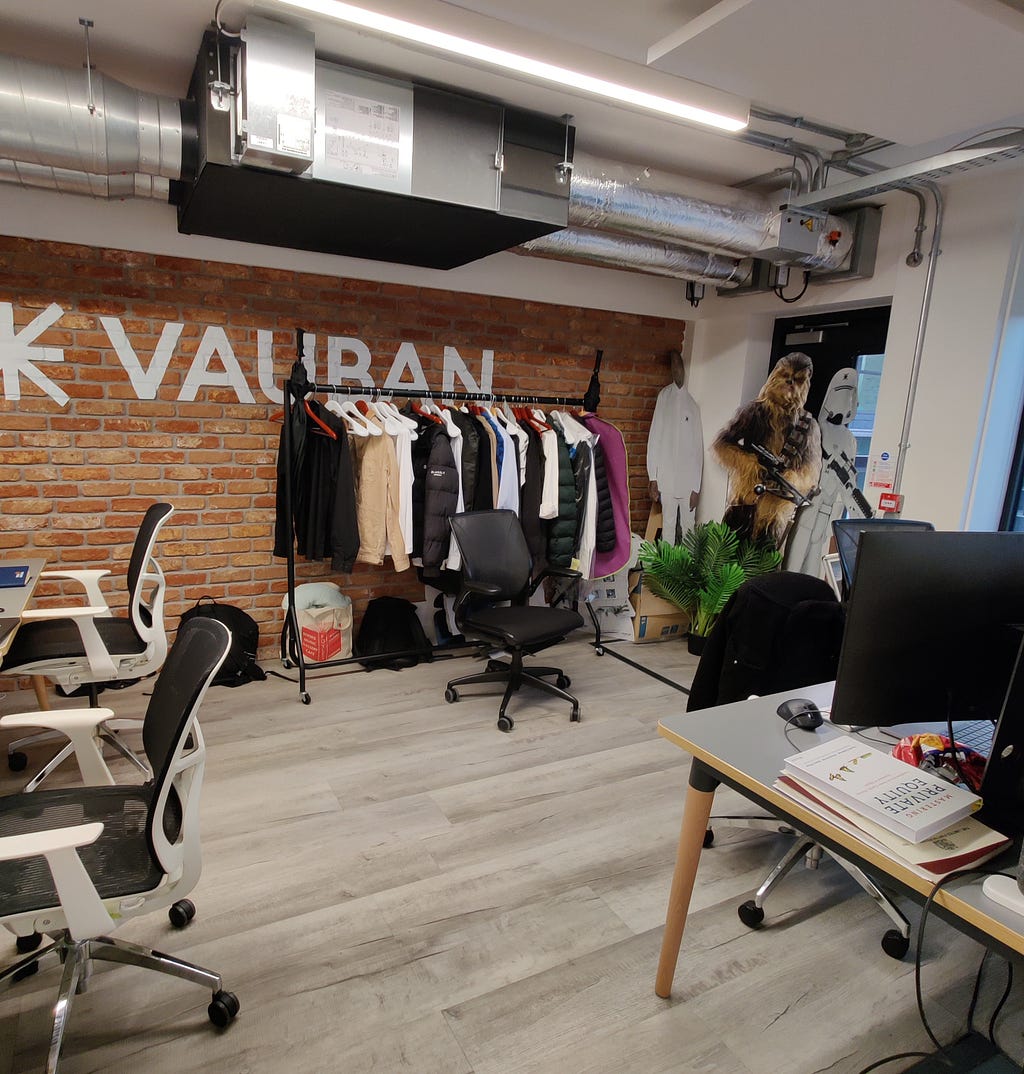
x: 912, y: 71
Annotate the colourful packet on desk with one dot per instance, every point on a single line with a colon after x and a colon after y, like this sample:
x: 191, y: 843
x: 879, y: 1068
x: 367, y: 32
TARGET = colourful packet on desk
x: 931, y: 753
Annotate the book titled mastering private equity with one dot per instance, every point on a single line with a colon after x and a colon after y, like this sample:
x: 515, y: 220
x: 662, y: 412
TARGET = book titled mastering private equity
x: 901, y: 798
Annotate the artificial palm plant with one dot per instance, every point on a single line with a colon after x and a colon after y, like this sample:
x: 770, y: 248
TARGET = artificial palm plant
x: 702, y: 573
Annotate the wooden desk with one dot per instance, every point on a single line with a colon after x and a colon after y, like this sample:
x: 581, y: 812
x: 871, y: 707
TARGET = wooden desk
x: 13, y: 602
x: 744, y: 745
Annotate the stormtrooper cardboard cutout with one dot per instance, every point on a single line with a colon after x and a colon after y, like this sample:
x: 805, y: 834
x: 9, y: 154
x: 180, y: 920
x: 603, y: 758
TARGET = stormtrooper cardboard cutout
x: 838, y: 484
x: 772, y: 452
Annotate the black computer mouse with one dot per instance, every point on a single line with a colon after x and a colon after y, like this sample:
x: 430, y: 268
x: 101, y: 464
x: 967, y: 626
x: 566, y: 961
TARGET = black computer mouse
x: 801, y: 712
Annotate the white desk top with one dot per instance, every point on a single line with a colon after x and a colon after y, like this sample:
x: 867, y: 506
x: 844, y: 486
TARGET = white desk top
x: 745, y: 744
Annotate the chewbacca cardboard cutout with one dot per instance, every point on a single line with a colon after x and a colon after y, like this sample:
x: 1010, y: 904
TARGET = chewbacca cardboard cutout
x: 776, y: 423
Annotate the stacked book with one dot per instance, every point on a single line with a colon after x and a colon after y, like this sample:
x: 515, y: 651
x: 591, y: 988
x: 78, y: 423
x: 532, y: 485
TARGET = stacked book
x: 905, y: 812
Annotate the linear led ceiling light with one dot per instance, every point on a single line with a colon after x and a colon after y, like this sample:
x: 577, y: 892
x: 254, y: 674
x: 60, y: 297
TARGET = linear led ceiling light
x: 538, y: 70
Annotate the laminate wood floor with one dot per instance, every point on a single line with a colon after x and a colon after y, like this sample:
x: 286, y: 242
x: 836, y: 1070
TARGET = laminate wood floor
x: 391, y: 884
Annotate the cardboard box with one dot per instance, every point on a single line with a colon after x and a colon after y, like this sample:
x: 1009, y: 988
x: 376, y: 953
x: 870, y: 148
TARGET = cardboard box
x: 656, y: 619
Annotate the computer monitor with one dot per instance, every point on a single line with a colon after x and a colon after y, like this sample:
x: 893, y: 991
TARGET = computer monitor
x: 847, y: 532
x: 929, y: 628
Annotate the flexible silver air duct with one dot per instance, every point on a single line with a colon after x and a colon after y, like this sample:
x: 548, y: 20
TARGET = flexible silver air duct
x: 97, y: 186
x: 626, y: 199
x: 45, y: 118
x: 643, y: 255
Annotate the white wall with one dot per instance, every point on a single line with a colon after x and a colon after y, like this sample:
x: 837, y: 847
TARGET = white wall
x: 151, y: 227
x: 971, y: 335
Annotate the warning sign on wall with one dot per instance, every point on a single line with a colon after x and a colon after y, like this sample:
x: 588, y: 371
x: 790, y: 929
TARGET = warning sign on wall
x: 882, y: 472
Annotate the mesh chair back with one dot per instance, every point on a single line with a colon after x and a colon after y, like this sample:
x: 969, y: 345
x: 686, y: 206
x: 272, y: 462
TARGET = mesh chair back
x: 198, y: 651
x: 494, y: 551
x: 847, y: 533
x: 140, y: 613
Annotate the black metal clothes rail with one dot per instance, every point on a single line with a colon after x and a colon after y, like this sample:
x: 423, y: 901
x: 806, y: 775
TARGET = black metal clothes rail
x: 297, y: 386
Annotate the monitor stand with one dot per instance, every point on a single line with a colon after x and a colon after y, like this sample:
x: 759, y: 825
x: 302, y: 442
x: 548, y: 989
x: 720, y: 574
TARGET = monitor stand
x: 1005, y: 891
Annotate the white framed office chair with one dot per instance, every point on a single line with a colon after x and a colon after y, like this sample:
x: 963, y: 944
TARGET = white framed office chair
x: 76, y: 863
x: 88, y: 645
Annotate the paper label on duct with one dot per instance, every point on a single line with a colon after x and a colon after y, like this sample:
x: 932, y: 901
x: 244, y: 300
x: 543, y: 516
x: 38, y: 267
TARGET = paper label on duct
x: 295, y: 135
x: 362, y: 134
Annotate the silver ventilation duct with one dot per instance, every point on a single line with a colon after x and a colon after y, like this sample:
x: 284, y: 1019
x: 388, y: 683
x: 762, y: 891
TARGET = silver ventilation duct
x: 626, y: 199
x: 641, y: 255
x: 66, y: 181
x: 46, y: 118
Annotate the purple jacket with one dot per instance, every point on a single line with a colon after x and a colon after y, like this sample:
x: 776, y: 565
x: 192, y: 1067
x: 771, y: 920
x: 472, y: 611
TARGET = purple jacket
x: 617, y: 471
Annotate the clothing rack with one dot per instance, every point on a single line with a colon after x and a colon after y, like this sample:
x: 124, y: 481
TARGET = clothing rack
x: 295, y: 388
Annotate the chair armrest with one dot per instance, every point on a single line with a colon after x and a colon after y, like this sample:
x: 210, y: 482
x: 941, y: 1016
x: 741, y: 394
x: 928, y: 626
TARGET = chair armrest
x: 57, y: 719
x: 80, y: 727
x: 84, y: 911
x: 88, y: 579
x: 89, y: 611
x: 101, y: 664
x: 485, y: 589
x: 564, y: 573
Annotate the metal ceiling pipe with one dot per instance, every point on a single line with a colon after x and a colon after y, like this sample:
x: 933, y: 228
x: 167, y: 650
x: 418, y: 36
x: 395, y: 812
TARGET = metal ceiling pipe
x: 48, y: 117
x: 643, y: 255
x: 65, y: 181
x: 608, y: 196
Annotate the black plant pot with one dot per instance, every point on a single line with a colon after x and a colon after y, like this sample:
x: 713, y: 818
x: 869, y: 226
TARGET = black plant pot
x: 695, y: 643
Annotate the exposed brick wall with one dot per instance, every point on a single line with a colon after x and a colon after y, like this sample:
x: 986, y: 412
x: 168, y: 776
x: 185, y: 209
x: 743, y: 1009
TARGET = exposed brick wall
x: 75, y: 479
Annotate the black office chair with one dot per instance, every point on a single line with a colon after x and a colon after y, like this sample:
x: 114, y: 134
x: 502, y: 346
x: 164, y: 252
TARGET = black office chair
x: 780, y: 632
x: 76, y: 863
x: 847, y: 533
x: 496, y: 567
x: 87, y: 645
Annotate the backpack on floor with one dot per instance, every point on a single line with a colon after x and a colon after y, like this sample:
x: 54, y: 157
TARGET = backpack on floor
x: 391, y: 626
x: 239, y: 665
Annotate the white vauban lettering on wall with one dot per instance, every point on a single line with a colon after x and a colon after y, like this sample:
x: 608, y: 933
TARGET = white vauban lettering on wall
x: 348, y: 361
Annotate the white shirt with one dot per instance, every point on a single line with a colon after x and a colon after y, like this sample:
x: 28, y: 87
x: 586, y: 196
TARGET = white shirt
x: 675, y: 446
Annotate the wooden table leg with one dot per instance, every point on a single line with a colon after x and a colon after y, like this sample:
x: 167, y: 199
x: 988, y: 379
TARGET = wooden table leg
x: 42, y: 698
x: 700, y: 796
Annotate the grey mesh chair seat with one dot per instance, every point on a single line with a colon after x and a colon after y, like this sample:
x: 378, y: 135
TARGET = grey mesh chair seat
x: 118, y: 863
x: 524, y: 627
x: 60, y: 638
x: 497, y: 568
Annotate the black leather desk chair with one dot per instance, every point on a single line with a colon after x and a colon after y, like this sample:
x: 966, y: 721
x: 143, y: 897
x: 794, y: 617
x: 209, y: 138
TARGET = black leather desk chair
x: 780, y: 632
x: 496, y: 568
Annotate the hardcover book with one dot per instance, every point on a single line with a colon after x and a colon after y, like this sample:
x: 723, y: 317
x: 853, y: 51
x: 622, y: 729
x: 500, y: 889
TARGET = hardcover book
x: 13, y: 576
x: 903, y: 799
x: 962, y: 845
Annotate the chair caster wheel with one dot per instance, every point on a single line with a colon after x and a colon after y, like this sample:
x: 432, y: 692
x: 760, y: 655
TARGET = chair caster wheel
x: 895, y: 944
x: 181, y: 913
x: 305, y: 699
x: 709, y: 837
x: 750, y: 914
x: 599, y: 650
x: 574, y: 716
x: 563, y: 682
x: 17, y: 761
x: 287, y: 665
x: 223, y: 1008
x: 495, y: 665
x: 24, y: 944
x: 505, y: 723
x: 451, y: 695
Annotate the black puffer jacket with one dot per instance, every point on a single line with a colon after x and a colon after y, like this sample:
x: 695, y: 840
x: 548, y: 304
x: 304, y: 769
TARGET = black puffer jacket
x: 470, y: 451
x: 440, y: 501
x: 605, y: 538
x: 562, y: 534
